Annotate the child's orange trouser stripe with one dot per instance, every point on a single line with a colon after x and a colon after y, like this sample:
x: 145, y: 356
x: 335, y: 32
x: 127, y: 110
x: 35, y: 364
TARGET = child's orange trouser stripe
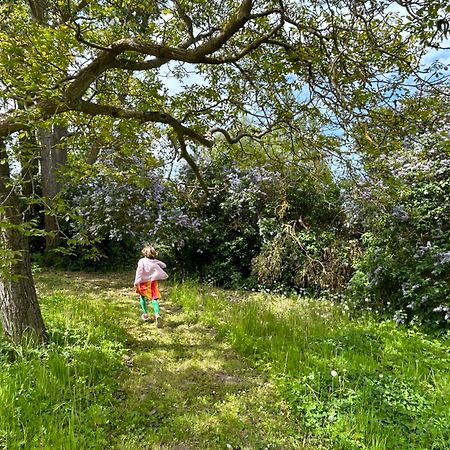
x: 149, y: 289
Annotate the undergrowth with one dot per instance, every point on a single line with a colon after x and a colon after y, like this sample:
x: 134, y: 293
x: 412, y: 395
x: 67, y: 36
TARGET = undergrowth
x: 61, y: 395
x: 353, y: 381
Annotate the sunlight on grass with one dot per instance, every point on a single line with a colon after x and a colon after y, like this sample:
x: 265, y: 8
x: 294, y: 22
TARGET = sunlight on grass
x: 191, y: 388
x: 60, y: 395
x: 352, y: 381
x: 319, y: 378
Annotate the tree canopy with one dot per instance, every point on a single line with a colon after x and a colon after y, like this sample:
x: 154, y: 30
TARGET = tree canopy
x: 269, y: 63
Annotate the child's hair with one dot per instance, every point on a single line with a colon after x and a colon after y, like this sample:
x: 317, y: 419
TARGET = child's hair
x: 149, y: 252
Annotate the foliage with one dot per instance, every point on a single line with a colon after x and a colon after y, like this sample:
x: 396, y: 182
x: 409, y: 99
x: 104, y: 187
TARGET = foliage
x: 237, y: 69
x: 406, y: 266
x: 277, y: 221
x: 61, y: 395
x: 353, y: 381
x: 311, y: 259
x: 113, y: 207
x: 116, y: 205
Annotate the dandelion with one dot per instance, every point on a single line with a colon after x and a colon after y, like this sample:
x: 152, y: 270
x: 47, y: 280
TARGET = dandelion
x: 334, y: 373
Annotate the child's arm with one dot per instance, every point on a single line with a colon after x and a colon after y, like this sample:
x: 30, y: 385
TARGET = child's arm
x: 158, y: 273
x: 138, y: 277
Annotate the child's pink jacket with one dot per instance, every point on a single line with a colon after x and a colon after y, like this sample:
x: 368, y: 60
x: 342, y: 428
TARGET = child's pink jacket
x: 149, y: 270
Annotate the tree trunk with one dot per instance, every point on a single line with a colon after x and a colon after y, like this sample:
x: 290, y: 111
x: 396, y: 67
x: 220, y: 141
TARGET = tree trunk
x: 19, y: 307
x: 53, y: 157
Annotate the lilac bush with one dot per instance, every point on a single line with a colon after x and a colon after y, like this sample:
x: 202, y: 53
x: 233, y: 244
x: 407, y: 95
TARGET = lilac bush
x: 268, y: 227
x: 406, y: 267
x: 118, y: 209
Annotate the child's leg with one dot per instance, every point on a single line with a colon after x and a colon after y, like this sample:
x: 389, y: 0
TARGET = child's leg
x: 155, y: 296
x: 143, y: 303
x: 155, y: 306
x: 156, y: 311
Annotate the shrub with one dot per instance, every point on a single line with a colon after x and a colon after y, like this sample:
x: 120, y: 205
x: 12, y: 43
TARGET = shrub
x: 406, y: 263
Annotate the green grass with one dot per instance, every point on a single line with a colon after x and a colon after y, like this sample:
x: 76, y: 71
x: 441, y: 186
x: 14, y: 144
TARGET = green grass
x: 109, y: 381
x: 228, y: 370
x: 61, y: 395
x: 356, y: 383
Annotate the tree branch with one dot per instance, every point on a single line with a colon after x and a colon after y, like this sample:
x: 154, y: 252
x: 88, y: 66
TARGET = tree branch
x: 95, y: 109
x: 187, y: 157
x: 241, y: 134
x: 232, y: 27
x: 107, y: 58
x: 126, y: 64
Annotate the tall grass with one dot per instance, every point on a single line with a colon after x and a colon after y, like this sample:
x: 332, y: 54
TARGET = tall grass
x: 356, y: 382
x: 353, y: 382
x: 60, y: 395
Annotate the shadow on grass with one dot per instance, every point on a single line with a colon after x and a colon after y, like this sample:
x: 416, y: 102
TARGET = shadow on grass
x: 183, y: 387
x: 201, y: 396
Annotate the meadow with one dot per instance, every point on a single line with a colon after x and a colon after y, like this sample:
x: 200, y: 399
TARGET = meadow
x: 229, y: 369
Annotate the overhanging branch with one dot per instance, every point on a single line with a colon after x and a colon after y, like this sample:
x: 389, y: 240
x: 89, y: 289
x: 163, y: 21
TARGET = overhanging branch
x: 95, y: 109
x: 240, y: 135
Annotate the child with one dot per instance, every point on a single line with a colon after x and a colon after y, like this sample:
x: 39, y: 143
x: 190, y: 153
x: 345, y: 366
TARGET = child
x: 148, y: 272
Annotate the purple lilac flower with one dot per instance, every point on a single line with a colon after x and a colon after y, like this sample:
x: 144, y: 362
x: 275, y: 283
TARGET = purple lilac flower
x: 399, y: 213
x: 422, y: 250
x: 441, y: 258
x: 442, y: 308
x: 399, y: 319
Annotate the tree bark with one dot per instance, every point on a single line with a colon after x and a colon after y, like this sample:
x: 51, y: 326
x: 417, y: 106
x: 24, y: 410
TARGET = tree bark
x: 53, y: 157
x: 19, y: 307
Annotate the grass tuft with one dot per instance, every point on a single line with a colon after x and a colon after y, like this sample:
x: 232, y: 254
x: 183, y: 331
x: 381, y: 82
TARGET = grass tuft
x: 354, y: 382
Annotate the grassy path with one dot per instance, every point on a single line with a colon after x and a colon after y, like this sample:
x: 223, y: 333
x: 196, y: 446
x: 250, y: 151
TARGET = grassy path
x: 187, y: 389
x: 106, y: 380
x: 183, y: 387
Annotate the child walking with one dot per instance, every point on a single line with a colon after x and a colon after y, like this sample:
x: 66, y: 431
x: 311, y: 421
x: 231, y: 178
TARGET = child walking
x: 149, y: 271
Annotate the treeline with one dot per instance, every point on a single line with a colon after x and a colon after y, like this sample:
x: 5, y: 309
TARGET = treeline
x: 279, y: 218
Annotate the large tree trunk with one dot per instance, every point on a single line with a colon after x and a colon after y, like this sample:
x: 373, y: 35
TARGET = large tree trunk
x: 53, y: 157
x: 19, y: 308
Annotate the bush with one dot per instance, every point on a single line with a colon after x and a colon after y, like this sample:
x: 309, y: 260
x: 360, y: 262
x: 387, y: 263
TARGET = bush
x: 310, y: 259
x: 406, y: 264
x: 267, y: 225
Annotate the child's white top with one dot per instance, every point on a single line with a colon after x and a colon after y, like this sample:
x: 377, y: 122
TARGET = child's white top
x: 149, y: 270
